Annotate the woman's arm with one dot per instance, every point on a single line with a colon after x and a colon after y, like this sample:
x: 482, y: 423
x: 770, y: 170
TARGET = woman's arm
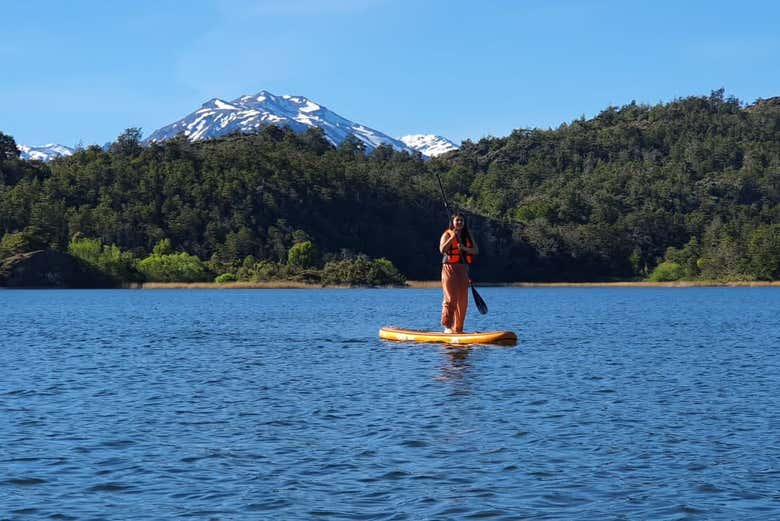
x: 445, y: 241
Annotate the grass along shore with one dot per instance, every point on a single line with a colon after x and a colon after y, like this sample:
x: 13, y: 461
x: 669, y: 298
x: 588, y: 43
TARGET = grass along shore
x: 437, y: 284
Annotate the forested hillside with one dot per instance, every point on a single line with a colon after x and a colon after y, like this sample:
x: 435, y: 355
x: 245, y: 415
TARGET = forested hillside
x: 608, y: 196
x: 692, y: 185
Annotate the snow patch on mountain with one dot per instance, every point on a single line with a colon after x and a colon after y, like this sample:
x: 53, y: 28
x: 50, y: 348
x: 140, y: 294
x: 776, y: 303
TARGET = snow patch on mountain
x: 249, y: 113
x: 44, y: 152
x: 428, y: 144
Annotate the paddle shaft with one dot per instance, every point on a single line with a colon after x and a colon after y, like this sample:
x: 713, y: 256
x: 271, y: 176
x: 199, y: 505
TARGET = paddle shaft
x: 444, y: 197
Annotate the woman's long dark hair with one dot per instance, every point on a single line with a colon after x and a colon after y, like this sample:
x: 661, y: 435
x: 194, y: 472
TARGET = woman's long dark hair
x: 465, y: 234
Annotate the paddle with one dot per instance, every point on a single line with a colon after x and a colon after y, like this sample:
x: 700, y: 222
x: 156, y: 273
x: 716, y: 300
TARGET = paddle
x: 478, y: 300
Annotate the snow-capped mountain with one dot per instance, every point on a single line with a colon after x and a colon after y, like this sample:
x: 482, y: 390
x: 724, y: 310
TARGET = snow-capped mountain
x: 44, y: 152
x: 249, y: 113
x: 428, y: 144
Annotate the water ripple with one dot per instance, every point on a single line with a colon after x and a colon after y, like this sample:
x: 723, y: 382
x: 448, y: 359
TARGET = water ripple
x: 617, y: 404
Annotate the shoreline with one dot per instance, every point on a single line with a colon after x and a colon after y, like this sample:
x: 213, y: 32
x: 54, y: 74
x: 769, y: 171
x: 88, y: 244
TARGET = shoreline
x: 619, y: 284
x: 422, y: 284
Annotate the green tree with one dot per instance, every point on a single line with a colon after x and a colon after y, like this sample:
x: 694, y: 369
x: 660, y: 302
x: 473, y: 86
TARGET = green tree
x: 384, y: 273
x: 361, y: 271
x: 128, y: 143
x: 764, y: 252
x: 109, y: 259
x: 175, y: 267
x: 667, y: 271
x: 21, y: 242
x: 163, y: 247
x: 266, y: 270
x: 687, y: 258
x: 303, y: 255
x: 8, y: 148
x: 225, y: 277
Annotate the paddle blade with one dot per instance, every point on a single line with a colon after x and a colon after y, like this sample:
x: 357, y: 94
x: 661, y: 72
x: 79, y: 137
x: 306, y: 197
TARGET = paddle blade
x: 479, y: 301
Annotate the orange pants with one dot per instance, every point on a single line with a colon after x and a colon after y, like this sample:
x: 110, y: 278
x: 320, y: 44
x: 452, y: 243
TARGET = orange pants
x: 455, y: 283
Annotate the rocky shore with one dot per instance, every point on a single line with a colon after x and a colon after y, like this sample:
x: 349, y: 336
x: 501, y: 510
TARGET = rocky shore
x: 50, y: 269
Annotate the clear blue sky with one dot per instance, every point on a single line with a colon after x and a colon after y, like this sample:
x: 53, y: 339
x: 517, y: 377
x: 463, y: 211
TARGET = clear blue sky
x: 84, y: 70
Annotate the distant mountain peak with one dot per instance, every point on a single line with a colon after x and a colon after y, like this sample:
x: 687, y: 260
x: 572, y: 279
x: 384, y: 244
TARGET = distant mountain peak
x: 429, y: 144
x: 248, y: 113
x: 216, y: 104
x: 44, y: 152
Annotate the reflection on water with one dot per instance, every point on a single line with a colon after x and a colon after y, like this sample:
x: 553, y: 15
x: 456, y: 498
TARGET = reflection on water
x: 456, y: 363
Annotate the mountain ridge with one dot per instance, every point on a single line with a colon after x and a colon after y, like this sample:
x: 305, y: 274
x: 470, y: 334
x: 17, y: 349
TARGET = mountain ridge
x: 248, y: 113
x: 217, y: 117
x: 44, y: 152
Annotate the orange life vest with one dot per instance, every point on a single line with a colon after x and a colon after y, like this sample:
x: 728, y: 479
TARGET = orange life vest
x: 453, y: 255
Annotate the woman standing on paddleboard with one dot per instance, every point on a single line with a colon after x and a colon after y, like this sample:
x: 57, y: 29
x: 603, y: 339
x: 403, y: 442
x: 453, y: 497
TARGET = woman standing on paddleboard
x: 458, y: 248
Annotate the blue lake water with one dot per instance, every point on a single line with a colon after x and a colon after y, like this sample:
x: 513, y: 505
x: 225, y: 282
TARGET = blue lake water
x: 624, y: 403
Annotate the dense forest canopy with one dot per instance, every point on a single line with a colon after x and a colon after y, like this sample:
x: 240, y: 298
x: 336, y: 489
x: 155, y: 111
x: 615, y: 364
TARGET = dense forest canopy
x: 690, y: 187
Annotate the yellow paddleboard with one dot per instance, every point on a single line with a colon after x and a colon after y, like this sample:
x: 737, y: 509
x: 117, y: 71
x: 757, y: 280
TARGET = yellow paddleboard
x: 504, y: 338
